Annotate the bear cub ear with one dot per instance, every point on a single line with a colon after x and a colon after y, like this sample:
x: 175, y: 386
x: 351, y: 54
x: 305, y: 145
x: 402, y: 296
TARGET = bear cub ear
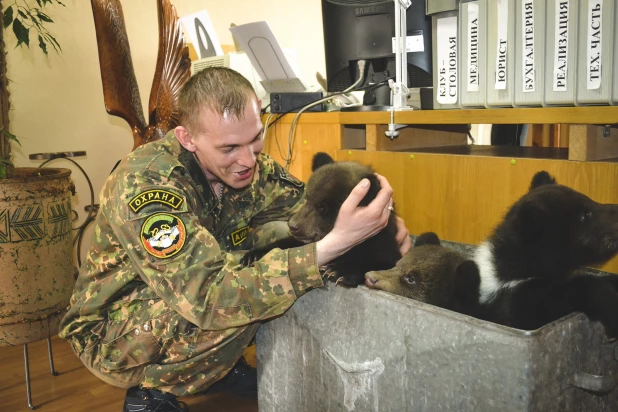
x: 374, y: 188
x: 320, y: 159
x: 542, y: 178
x: 427, y: 238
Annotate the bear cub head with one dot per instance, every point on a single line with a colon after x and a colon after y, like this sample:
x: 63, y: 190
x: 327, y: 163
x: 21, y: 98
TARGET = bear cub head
x: 557, y: 230
x: 432, y: 274
x: 328, y: 187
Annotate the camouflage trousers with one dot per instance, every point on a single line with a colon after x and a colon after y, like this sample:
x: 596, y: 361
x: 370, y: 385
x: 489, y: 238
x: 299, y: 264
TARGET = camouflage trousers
x: 167, y: 352
x: 155, y: 356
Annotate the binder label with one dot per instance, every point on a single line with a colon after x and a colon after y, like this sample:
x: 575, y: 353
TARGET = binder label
x: 561, y: 45
x: 447, y: 60
x: 473, y: 46
x: 594, y: 44
x: 502, y: 45
x: 527, y: 17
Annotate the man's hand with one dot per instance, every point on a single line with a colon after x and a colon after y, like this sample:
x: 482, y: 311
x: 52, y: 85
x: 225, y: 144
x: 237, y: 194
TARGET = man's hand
x: 403, y: 236
x: 356, y: 224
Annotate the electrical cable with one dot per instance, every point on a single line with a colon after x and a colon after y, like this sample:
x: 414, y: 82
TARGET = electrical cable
x: 268, y: 123
x: 366, y: 88
x: 470, y: 135
x: 361, y: 77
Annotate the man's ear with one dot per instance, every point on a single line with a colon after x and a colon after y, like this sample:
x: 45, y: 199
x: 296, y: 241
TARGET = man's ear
x: 185, y: 138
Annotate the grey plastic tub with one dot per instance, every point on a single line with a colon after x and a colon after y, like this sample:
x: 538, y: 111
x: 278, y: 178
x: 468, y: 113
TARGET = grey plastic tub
x: 362, y: 350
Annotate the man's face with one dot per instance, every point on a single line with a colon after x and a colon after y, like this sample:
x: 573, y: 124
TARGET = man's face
x: 227, y: 147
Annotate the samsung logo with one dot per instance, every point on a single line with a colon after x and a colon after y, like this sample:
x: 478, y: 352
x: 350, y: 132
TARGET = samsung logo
x: 361, y: 11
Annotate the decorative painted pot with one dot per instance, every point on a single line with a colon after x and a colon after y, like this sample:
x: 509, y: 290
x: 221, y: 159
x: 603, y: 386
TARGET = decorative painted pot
x: 37, y: 269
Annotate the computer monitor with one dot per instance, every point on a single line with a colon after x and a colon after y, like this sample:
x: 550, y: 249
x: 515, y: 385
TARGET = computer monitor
x: 364, y: 30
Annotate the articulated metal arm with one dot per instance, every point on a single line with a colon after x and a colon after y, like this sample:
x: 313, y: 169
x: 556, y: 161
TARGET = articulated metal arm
x: 400, y: 86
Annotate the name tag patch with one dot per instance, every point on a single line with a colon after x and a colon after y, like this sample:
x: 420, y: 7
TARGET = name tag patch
x: 163, y: 235
x: 239, y: 236
x: 156, y: 196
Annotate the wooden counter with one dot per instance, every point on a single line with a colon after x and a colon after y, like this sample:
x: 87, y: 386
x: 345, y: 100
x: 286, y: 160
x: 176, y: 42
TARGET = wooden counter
x: 534, y: 115
x: 458, y: 191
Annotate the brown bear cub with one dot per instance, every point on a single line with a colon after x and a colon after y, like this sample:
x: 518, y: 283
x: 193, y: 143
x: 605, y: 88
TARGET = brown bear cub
x: 531, y: 266
x: 327, y: 189
x: 432, y: 274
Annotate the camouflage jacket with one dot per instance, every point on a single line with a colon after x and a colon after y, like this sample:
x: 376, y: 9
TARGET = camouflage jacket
x: 163, y: 244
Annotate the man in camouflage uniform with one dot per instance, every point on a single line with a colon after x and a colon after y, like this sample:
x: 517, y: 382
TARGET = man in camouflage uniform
x: 162, y: 305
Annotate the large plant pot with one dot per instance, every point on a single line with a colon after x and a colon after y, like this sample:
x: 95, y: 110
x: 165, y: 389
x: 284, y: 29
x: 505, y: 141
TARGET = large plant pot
x: 37, y: 270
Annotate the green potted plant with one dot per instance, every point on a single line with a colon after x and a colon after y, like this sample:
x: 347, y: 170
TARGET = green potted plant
x: 36, y: 253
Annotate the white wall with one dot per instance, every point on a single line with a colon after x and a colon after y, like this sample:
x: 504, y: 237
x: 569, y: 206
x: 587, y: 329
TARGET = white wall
x: 57, y: 101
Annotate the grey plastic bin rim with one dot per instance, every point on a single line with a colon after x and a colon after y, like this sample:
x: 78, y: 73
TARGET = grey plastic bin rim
x: 598, y: 385
x: 472, y: 321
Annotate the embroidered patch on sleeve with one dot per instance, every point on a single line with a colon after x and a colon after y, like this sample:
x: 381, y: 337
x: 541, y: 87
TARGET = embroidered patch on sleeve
x: 163, y: 235
x: 239, y: 236
x: 156, y: 196
x: 289, y: 178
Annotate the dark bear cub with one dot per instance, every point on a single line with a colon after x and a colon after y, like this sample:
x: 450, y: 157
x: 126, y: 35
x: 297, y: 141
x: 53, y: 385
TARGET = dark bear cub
x: 327, y: 189
x: 432, y: 274
x: 531, y: 265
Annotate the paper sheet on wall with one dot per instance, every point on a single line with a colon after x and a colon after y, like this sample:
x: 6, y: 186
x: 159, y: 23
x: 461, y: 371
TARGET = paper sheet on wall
x: 260, y: 44
x: 202, y: 35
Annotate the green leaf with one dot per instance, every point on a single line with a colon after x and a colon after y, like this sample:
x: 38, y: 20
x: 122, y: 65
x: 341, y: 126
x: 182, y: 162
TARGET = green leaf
x: 8, y: 17
x: 54, y: 42
x: 5, y: 161
x: 35, y: 21
x: 2, y: 172
x: 22, y: 14
x: 45, y: 17
x: 11, y: 136
x: 38, y: 2
x: 21, y: 33
x: 46, y: 37
x: 42, y: 45
x: 60, y: 3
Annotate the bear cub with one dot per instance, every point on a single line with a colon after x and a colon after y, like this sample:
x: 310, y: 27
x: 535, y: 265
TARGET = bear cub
x: 432, y: 274
x: 328, y: 187
x: 531, y: 266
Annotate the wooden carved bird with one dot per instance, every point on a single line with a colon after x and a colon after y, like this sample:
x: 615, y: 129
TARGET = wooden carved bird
x: 120, y: 90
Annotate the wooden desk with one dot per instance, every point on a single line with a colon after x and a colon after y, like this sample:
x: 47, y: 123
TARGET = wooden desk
x: 459, y: 192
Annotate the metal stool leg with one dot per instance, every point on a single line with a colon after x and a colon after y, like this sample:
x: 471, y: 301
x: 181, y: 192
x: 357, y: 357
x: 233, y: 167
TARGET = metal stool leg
x: 51, y: 358
x: 27, y: 366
